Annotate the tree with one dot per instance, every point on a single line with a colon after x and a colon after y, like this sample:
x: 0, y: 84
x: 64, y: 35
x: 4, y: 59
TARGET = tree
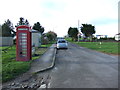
x: 26, y: 22
x: 88, y: 30
x: 69, y: 32
x: 38, y: 27
x: 22, y: 22
x: 51, y: 35
x: 7, y: 29
x: 73, y: 32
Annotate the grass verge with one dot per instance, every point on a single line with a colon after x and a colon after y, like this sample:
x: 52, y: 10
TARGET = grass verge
x: 105, y: 47
x: 12, y: 68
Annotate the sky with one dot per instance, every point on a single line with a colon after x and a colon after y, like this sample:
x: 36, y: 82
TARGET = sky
x: 59, y: 15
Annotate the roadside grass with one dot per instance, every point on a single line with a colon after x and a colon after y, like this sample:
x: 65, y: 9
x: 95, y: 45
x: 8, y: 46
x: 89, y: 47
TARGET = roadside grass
x: 12, y: 68
x: 0, y: 66
x: 105, y: 47
x: 69, y: 39
x: 47, y: 45
x: 39, y: 52
x: 3, y: 47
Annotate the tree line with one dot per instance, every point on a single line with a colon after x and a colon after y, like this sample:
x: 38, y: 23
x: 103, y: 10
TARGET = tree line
x: 7, y: 29
x: 87, y: 30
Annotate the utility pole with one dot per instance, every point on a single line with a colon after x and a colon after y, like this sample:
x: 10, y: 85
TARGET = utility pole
x: 78, y: 30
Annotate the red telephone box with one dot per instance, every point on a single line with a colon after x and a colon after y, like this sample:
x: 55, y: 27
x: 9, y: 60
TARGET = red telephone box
x: 23, y: 43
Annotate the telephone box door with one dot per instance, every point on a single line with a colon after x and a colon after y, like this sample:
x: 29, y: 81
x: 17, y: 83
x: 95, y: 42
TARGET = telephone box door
x: 23, y: 43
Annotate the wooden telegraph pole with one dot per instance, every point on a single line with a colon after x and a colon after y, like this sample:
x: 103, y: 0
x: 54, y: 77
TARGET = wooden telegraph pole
x: 78, y: 30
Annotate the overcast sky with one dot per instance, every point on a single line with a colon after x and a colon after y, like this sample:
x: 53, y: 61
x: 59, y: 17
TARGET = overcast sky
x: 59, y: 15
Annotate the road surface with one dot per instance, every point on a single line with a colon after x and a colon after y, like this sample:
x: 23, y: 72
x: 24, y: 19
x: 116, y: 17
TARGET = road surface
x: 79, y: 67
x: 76, y: 67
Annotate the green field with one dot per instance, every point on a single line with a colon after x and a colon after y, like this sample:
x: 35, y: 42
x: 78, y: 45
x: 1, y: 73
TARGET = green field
x: 12, y: 68
x: 105, y: 47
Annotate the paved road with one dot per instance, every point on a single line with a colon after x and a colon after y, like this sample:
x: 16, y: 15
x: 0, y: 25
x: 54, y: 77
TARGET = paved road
x: 79, y: 67
x: 76, y: 67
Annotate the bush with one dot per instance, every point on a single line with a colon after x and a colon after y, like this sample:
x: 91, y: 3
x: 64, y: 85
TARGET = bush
x: 107, y: 39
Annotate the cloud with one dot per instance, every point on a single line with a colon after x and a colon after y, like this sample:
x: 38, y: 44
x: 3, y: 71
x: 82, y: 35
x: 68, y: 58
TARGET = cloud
x: 109, y: 29
x: 53, y: 5
x: 59, y: 15
x: 104, y: 21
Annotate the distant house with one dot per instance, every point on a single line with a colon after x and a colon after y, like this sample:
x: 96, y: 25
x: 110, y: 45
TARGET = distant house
x: 117, y: 37
x: 36, y: 38
x: 101, y: 36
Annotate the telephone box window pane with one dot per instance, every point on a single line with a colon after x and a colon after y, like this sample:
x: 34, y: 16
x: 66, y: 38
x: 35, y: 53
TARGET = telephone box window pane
x: 24, y: 52
x: 24, y: 40
x: 24, y: 49
x: 24, y: 37
x: 24, y: 55
x: 23, y: 43
x: 24, y: 46
x: 22, y: 28
x: 23, y: 34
